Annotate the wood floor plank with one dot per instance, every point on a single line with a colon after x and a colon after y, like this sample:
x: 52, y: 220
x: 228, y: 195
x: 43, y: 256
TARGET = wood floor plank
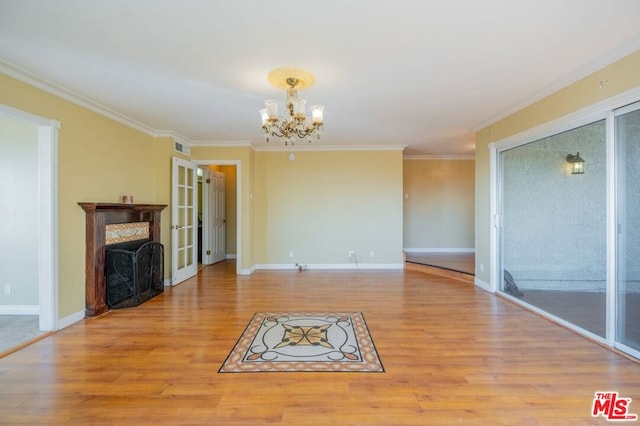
x: 453, y: 354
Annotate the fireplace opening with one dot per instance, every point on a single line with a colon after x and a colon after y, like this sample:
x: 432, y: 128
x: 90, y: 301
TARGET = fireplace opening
x: 134, y: 272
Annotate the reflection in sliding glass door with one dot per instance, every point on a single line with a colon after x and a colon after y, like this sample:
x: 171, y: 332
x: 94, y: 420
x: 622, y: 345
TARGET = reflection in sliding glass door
x: 553, y: 240
x: 627, y: 131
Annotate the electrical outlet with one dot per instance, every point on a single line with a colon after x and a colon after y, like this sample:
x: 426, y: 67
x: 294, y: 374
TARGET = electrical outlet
x: 352, y: 253
x: 291, y: 254
x: 7, y: 289
x: 482, y: 267
x: 372, y: 253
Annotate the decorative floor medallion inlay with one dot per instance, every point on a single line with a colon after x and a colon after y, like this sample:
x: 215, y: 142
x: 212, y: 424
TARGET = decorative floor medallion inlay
x: 295, y: 341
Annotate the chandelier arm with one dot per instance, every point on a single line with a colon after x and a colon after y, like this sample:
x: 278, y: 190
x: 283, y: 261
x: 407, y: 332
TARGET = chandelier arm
x: 303, y: 133
x: 279, y: 135
x: 273, y: 131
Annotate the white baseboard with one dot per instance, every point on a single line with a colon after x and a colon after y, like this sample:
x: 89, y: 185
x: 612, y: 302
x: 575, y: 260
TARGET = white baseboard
x: 70, y: 319
x: 293, y: 266
x: 358, y: 266
x: 167, y: 282
x: 231, y: 256
x: 281, y: 266
x: 274, y: 266
x: 482, y: 285
x: 19, y: 309
x: 247, y: 271
x: 438, y: 250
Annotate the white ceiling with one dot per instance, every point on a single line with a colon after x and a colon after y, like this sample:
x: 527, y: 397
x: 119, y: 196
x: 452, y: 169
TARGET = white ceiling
x: 421, y: 73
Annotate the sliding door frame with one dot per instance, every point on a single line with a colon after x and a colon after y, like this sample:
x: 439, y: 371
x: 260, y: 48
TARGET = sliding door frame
x: 616, y: 169
x: 603, y: 110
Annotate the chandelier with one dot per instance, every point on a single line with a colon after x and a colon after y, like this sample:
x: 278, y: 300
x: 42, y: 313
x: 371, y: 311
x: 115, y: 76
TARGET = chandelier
x: 294, y: 124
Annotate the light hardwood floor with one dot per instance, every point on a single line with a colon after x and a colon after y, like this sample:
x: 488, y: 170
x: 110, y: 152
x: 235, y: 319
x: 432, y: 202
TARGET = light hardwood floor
x: 453, y: 354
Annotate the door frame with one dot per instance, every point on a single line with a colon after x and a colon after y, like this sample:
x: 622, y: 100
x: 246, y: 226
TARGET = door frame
x: 47, y: 143
x: 238, y: 165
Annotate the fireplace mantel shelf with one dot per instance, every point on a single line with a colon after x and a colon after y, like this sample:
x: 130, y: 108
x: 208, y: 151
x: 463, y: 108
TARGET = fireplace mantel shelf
x: 93, y: 206
x: 98, y: 215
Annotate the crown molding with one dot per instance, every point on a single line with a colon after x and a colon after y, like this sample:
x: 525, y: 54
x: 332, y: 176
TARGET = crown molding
x: 62, y: 92
x: 67, y: 94
x: 175, y: 136
x: 222, y: 143
x: 273, y: 148
x: 581, y: 117
x: 281, y: 148
x: 579, y: 74
x: 439, y: 157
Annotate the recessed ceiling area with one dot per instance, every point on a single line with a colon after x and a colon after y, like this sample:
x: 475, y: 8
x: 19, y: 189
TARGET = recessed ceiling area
x: 424, y: 74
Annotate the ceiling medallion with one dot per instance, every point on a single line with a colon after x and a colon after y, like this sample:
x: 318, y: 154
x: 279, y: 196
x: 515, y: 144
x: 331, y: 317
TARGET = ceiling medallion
x: 294, y: 124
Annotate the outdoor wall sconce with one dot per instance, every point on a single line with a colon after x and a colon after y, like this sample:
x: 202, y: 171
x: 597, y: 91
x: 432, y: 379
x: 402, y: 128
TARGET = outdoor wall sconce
x: 577, y: 164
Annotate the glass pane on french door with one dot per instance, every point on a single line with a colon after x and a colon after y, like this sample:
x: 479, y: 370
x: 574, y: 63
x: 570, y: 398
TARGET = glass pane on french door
x: 627, y: 130
x: 553, y: 239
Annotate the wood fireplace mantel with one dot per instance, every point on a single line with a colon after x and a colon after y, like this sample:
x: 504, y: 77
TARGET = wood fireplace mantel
x: 98, y: 215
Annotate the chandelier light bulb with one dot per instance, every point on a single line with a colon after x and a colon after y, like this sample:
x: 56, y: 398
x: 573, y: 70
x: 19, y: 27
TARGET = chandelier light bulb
x: 317, y: 112
x: 298, y: 108
x: 272, y: 109
x: 264, y: 116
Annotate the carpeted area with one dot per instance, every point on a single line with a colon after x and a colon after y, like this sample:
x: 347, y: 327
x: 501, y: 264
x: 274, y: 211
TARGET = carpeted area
x: 304, y: 341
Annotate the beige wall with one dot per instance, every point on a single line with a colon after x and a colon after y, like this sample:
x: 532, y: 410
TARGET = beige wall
x: 163, y: 154
x: 324, y: 204
x: 319, y: 206
x: 98, y: 160
x: 438, y: 204
x: 620, y: 76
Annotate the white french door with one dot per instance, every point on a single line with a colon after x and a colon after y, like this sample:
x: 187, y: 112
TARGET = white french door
x: 184, y: 226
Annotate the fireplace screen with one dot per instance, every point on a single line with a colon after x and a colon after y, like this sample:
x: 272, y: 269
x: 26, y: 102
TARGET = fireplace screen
x: 134, y: 272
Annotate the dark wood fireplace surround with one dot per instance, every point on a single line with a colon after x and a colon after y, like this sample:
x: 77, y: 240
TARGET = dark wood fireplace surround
x: 98, y: 215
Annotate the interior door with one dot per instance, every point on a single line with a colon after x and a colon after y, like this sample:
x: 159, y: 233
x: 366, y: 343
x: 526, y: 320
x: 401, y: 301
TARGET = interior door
x: 183, y: 221
x: 218, y: 217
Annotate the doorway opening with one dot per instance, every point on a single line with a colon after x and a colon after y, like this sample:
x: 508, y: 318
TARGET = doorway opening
x: 219, y: 212
x: 38, y: 293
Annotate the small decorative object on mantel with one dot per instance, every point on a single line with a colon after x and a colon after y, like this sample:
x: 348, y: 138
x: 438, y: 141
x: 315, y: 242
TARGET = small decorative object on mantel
x: 127, y: 199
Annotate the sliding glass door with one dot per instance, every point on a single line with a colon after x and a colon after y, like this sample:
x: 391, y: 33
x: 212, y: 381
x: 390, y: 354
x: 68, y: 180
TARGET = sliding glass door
x: 554, y: 238
x: 568, y: 224
x: 627, y: 135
